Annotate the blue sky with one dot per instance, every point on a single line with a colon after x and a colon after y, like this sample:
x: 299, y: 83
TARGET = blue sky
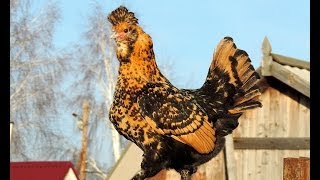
x: 186, y: 32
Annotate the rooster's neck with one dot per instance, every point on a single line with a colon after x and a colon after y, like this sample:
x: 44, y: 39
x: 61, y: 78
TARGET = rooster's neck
x: 136, y: 75
x: 141, y: 67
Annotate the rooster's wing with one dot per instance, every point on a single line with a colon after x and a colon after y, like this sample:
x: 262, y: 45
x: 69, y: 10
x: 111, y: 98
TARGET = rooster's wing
x: 175, y: 113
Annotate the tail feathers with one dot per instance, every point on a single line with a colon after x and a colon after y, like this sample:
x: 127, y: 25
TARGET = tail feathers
x: 232, y: 78
x: 247, y: 97
x: 251, y: 104
x: 249, y: 83
x: 244, y: 98
x: 248, y: 91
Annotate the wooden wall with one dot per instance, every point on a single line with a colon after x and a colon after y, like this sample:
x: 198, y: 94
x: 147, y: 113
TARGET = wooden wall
x: 285, y: 113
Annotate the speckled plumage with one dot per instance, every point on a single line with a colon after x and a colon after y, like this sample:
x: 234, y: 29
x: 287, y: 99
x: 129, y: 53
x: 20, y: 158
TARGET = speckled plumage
x: 176, y: 128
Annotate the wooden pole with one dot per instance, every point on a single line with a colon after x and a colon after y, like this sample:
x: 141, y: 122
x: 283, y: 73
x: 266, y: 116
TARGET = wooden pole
x: 267, y: 58
x: 82, y: 165
x: 229, y: 157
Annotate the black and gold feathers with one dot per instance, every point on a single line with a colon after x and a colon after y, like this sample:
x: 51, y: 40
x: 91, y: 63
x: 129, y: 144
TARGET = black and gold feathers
x: 176, y: 114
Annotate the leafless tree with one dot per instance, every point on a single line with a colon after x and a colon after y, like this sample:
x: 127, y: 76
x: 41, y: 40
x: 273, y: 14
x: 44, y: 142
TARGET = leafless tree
x: 36, y: 69
x: 94, y: 74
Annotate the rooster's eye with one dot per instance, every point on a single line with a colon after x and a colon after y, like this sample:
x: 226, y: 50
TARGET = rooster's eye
x: 125, y: 30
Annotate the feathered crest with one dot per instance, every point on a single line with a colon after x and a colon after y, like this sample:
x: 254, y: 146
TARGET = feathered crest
x: 121, y: 14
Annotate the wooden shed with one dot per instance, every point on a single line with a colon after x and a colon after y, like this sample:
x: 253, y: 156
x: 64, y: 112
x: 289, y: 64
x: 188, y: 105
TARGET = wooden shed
x: 281, y: 128
x: 264, y: 138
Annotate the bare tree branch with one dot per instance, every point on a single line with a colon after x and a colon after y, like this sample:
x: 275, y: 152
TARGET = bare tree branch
x: 36, y: 71
x: 94, y: 168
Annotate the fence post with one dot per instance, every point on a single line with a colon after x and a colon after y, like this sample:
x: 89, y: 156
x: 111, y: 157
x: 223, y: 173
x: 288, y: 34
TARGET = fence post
x: 296, y: 168
x: 229, y: 158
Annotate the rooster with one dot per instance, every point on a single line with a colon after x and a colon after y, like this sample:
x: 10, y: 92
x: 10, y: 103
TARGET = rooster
x: 176, y: 128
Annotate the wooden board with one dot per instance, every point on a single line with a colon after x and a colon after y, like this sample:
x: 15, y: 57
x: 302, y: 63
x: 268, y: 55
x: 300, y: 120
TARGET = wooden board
x: 272, y: 143
x: 291, y: 61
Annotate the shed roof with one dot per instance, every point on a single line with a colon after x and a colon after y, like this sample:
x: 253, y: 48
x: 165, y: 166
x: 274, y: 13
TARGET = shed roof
x: 291, y: 71
x: 130, y: 160
x: 37, y: 170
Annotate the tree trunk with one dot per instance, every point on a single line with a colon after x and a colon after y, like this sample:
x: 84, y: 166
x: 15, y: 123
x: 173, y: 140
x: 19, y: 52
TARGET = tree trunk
x: 114, y: 132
